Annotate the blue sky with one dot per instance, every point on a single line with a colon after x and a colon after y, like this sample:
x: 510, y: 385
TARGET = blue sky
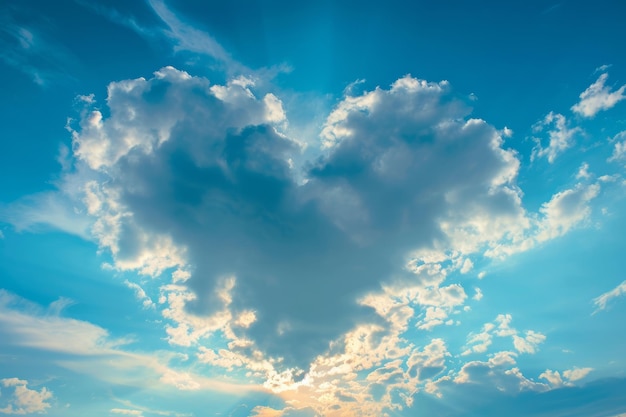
x: 269, y: 208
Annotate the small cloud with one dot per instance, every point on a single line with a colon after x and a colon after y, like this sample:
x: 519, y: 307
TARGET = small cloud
x: 43, y: 211
x: 619, y: 151
x: 560, y: 136
x: 501, y: 327
x: 351, y: 89
x: 127, y: 412
x: 140, y: 294
x: 565, y: 210
x: 566, y: 378
x: 598, y: 97
x: 576, y: 373
x: 24, y: 400
x: 602, y: 68
x: 467, y: 266
x: 602, y: 301
x: 478, y: 295
x: 56, y: 307
x: 583, y: 171
x: 529, y: 343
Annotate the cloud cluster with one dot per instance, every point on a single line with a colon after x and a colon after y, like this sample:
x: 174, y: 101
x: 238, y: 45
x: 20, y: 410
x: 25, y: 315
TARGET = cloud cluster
x: 24, y: 400
x: 198, y: 177
x: 566, y: 378
x: 309, y: 274
x: 86, y: 348
x: 479, y: 342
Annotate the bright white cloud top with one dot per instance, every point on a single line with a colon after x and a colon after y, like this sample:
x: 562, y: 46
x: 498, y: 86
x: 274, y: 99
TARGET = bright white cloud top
x: 598, y: 97
x: 381, y: 250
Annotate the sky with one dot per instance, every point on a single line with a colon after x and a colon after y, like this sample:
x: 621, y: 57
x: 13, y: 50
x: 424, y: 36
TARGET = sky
x: 272, y: 208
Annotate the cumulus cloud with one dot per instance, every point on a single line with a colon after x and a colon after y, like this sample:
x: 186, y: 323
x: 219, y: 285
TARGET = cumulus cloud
x: 24, y: 400
x: 215, y: 155
x: 598, y: 97
x: 566, y: 209
x: 309, y: 274
x: 478, y: 295
x: 479, y: 342
x: 601, y: 302
x: 583, y: 171
x: 560, y: 136
x: 498, y: 372
x: 566, y: 378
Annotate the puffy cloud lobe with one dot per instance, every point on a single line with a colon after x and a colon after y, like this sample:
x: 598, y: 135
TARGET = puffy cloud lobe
x: 480, y: 342
x: 566, y: 209
x: 405, y: 159
x: 24, y: 400
x: 567, y: 378
x: 598, y: 97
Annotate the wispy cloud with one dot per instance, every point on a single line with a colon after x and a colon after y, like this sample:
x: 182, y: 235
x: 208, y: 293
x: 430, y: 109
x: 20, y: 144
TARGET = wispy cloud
x: 601, y: 302
x: 89, y: 349
x: 33, y: 51
x: 560, y: 136
x: 181, y: 36
x: 187, y: 37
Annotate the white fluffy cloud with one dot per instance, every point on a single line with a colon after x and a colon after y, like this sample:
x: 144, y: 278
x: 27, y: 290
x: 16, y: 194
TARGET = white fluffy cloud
x: 311, y: 275
x: 498, y: 372
x: 480, y: 342
x: 197, y: 177
x: 566, y: 209
x: 566, y: 378
x: 24, y: 400
x: 598, y: 97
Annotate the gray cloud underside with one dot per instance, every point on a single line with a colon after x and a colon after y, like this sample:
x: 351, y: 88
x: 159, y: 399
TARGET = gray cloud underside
x: 405, y: 175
